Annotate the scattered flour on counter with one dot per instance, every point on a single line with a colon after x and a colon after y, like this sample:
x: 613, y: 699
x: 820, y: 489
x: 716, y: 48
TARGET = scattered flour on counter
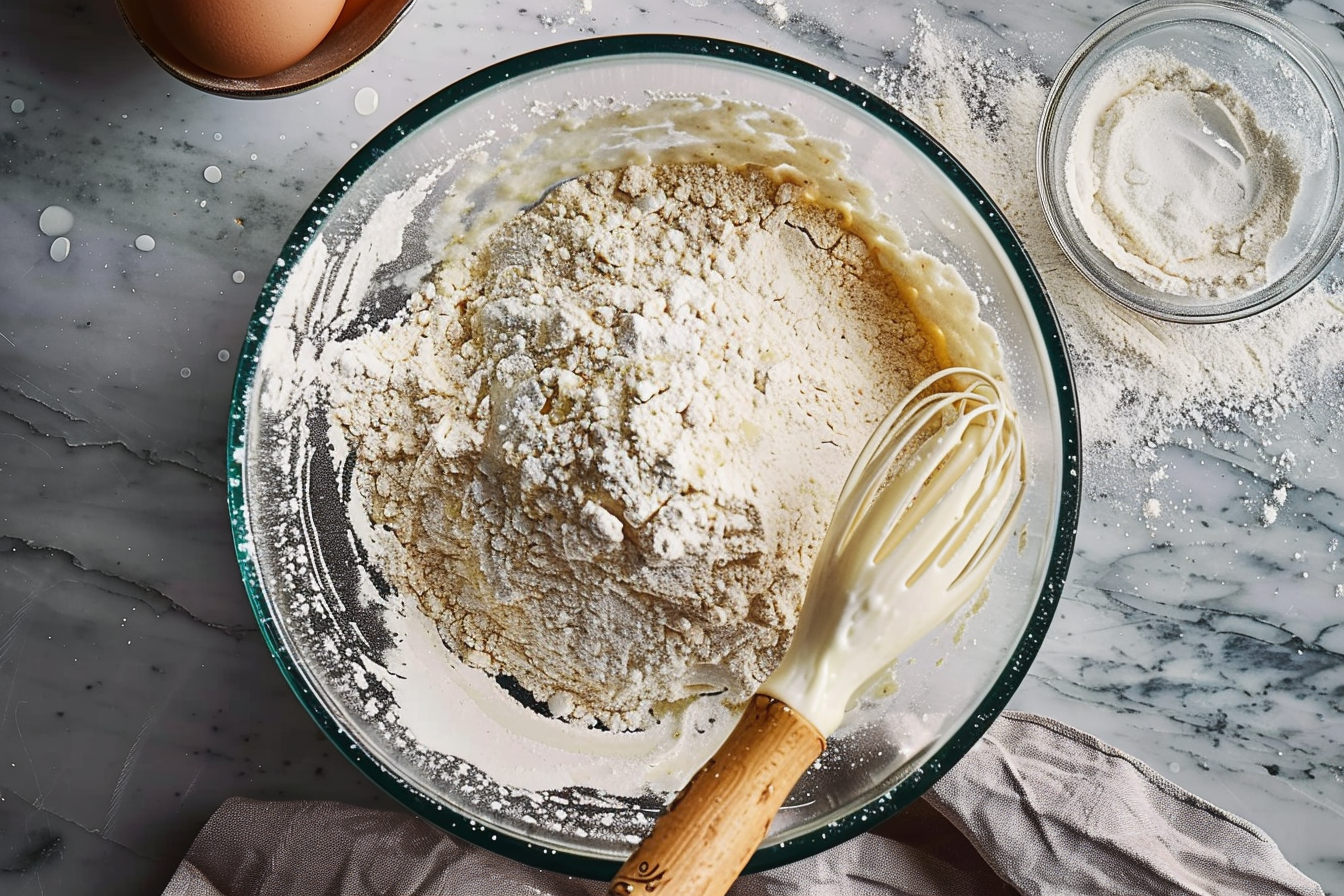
x: 1140, y: 381
x: 610, y: 446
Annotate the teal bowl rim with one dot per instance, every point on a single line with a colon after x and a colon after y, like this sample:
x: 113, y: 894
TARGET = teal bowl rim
x: 909, y: 788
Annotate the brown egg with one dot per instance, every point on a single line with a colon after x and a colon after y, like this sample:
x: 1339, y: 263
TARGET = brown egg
x: 352, y: 8
x: 245, y: 38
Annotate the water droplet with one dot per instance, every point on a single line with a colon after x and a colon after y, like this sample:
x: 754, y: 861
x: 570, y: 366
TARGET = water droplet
x: 186, y: 372
x: 213, y: 174
x: 223, y: 354
x: 202, y: 203
x: 239, y: 276
x: 16, y: 107
x: 254, y: 157
x: 55, y: 221
x: 60, y: 249
x: 144, y: 242
x: 366, y: 101
x: 218, y: 136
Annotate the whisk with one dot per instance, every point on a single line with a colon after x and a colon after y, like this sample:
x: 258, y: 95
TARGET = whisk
x: 920, y: 522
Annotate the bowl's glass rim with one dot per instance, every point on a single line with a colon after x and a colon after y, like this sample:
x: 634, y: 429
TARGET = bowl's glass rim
x: 645, y: 45
x: 1150, y: 15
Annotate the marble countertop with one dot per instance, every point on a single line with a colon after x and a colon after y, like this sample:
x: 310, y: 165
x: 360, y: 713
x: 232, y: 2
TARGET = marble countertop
x: 135, y: 691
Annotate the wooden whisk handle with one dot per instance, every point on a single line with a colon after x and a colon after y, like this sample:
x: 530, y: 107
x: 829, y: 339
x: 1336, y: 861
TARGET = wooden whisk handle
x: 702, y: 841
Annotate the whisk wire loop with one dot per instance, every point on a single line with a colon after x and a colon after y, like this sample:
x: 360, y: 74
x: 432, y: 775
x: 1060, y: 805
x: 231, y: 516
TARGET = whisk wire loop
x: 945, y: 485
x: 892, y: 439
x: 1002, y: 495
x: 961, y: 480
x: 921, y: 520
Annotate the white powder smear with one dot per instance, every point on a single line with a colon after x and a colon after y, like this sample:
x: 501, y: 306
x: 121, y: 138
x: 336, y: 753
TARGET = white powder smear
x: 1139, y: 380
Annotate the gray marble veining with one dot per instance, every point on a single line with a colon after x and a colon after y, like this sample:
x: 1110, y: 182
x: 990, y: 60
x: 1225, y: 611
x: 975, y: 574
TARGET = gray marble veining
x: 135, y: 691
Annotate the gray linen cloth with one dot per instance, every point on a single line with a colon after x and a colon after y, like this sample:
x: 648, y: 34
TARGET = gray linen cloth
x: 1036, y: 807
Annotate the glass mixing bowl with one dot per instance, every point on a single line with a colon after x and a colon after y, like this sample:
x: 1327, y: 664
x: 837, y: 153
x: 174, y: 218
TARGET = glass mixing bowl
x: 340, y: 632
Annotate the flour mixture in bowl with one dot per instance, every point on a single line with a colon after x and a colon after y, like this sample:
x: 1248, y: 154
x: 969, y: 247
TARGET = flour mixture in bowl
x: 611, y: 442
x: 544, y: 410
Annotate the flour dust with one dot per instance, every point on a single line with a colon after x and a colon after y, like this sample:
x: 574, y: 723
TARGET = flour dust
x: 1142, y: 384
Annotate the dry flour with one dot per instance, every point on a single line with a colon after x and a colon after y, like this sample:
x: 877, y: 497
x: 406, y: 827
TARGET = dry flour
x: 1140, y: 381
x: 1174, y: 179
x: 610, y: 445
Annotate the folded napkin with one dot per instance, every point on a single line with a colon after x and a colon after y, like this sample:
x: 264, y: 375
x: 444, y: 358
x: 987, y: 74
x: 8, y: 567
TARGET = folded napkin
x: 1036, y: 807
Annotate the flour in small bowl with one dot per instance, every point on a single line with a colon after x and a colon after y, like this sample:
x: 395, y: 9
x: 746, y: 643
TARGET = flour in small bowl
x: 1143, y: 384
x: 1174, y: 179
x: 609, y: 443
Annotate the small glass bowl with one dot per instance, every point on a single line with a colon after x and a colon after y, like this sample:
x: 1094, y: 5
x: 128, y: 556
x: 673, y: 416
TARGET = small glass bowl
x: 1294, y: 91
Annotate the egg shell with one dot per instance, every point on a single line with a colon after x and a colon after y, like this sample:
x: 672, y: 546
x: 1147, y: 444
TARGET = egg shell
x: 245, y: 38
x: 351, y: 9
